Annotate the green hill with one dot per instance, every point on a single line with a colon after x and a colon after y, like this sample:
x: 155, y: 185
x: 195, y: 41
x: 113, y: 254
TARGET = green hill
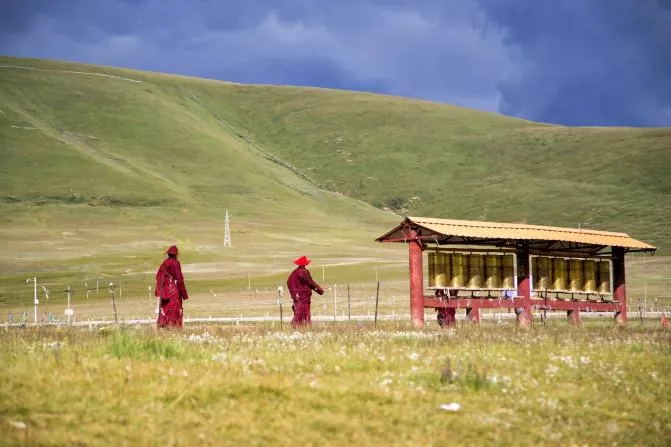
x: 439, y: 160
x: 103, y: 162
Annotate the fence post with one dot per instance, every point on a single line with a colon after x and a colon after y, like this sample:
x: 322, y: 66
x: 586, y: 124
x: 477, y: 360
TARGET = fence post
x: 279, y: 302
x: 377, y: 296
x: 335, y: 300
x: 349, y: 308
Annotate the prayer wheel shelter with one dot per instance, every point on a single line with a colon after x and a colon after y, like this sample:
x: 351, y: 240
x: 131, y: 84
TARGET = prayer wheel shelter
x: 477, y: 265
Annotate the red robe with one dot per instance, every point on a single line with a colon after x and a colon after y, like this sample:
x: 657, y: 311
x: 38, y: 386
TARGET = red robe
x: 171, y: 290
x: 301, y: 285
x: 447, y: 316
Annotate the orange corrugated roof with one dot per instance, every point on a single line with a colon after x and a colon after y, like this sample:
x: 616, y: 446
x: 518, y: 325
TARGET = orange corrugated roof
x: 518, y: 231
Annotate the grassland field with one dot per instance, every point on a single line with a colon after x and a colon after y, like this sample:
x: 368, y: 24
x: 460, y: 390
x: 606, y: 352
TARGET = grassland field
x: 103, y: 168
x: 337, y: 384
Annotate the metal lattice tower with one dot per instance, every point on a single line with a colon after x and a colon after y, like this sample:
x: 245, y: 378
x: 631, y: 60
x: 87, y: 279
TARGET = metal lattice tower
x: 227, y: 232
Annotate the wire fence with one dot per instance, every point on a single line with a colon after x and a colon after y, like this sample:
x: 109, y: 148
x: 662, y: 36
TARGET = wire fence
x: 131, y: 298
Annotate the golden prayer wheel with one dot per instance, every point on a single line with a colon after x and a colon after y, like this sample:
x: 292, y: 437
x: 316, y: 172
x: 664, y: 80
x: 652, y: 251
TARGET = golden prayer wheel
x: 438, y: 272
x: 458, y: 271
x: 443, y: 278
x: 575, y: 276
x: 542, y: 272
x: 508, y: 272
x: 476, y: 271
x: 493, y: 270
x: 604, y: 277
x: 590, y: 274
x: 432, y: 269
x: 559, y: 276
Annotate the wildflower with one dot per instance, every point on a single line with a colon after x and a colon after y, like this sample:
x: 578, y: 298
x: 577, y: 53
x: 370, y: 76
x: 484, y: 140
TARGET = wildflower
x: 551, y: 370
x: 385, y: 383
x: 452, y: 406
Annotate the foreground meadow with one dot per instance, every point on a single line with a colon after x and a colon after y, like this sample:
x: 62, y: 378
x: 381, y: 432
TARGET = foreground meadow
x: 337, y: 385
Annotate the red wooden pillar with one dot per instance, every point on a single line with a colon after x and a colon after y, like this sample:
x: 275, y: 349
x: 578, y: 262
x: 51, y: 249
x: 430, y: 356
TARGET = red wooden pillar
x: 523, y: 284
x: 619, y: 284
x: 416, y: 280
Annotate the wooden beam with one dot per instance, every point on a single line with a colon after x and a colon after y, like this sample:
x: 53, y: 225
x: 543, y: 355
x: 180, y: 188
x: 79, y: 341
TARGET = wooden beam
x: 536, y: 304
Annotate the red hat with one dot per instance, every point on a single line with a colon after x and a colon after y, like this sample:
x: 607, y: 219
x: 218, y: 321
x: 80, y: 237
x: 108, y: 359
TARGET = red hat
x: 303, y: 260
x: 172, y: 250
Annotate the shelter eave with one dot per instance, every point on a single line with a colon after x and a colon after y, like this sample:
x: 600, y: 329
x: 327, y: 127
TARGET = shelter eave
x: 492, y: 234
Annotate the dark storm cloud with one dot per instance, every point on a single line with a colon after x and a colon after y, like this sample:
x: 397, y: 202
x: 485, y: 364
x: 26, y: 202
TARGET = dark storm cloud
x: 584, y: 62
x: 596, y: 62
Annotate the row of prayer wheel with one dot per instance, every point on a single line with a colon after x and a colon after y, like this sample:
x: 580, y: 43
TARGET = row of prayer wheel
x: 471, y: 271
x: 573, y: 275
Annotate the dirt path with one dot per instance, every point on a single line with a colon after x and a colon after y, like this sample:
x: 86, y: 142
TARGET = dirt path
x: 20, y: 67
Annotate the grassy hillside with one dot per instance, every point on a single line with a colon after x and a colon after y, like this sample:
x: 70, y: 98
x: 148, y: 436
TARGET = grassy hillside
x: 104, y: 163
x: 438, y: 160
x: 97, y: 170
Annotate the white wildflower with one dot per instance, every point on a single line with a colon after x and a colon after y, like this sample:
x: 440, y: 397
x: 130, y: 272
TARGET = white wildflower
x: 551, y: 370
x: 452, y: 406
x: 385, y: 383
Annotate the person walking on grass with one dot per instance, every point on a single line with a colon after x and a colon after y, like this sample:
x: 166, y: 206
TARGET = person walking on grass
x: 301, y: 285
x: 170, y: 290
x: 446, y: 315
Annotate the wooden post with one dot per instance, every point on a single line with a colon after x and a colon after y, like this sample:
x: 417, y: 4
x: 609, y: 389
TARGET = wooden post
x: 523, y: 283
x: 619, y: 285
x: 335, y: 301
x: 349, y: 307
x: 377, y: 299
x: 116, y: 317
x: 416, y: 279
x: 279, y: 301
x: 113, y: 292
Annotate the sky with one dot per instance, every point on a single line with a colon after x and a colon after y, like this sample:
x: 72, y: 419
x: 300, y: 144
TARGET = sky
x: 570, y: 62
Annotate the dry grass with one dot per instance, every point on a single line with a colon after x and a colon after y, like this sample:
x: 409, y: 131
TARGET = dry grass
x: 337, y: 385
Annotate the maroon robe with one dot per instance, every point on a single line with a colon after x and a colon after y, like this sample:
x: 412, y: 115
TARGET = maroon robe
x: 300, y: 286
x: 171, y: 290
x: 447, y: 316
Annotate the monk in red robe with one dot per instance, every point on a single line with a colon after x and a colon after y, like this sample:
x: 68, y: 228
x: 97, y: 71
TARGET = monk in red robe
x: 447, y: 316
x: 301, y: 285
x: 171, y: 290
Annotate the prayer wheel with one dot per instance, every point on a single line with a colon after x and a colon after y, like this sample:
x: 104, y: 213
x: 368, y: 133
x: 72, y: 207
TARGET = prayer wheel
x: 575, y: 275
x: 493, y: 270
x: 438, y: 273
x: 604, y: 277
x: 590, y: 274
x: 443, y: 279
x: 432, y: 269
x: 559, y: 276
x: 508, y: 272
x: 476, y: 271
x: 542, y: 273
x: 458, y: 277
